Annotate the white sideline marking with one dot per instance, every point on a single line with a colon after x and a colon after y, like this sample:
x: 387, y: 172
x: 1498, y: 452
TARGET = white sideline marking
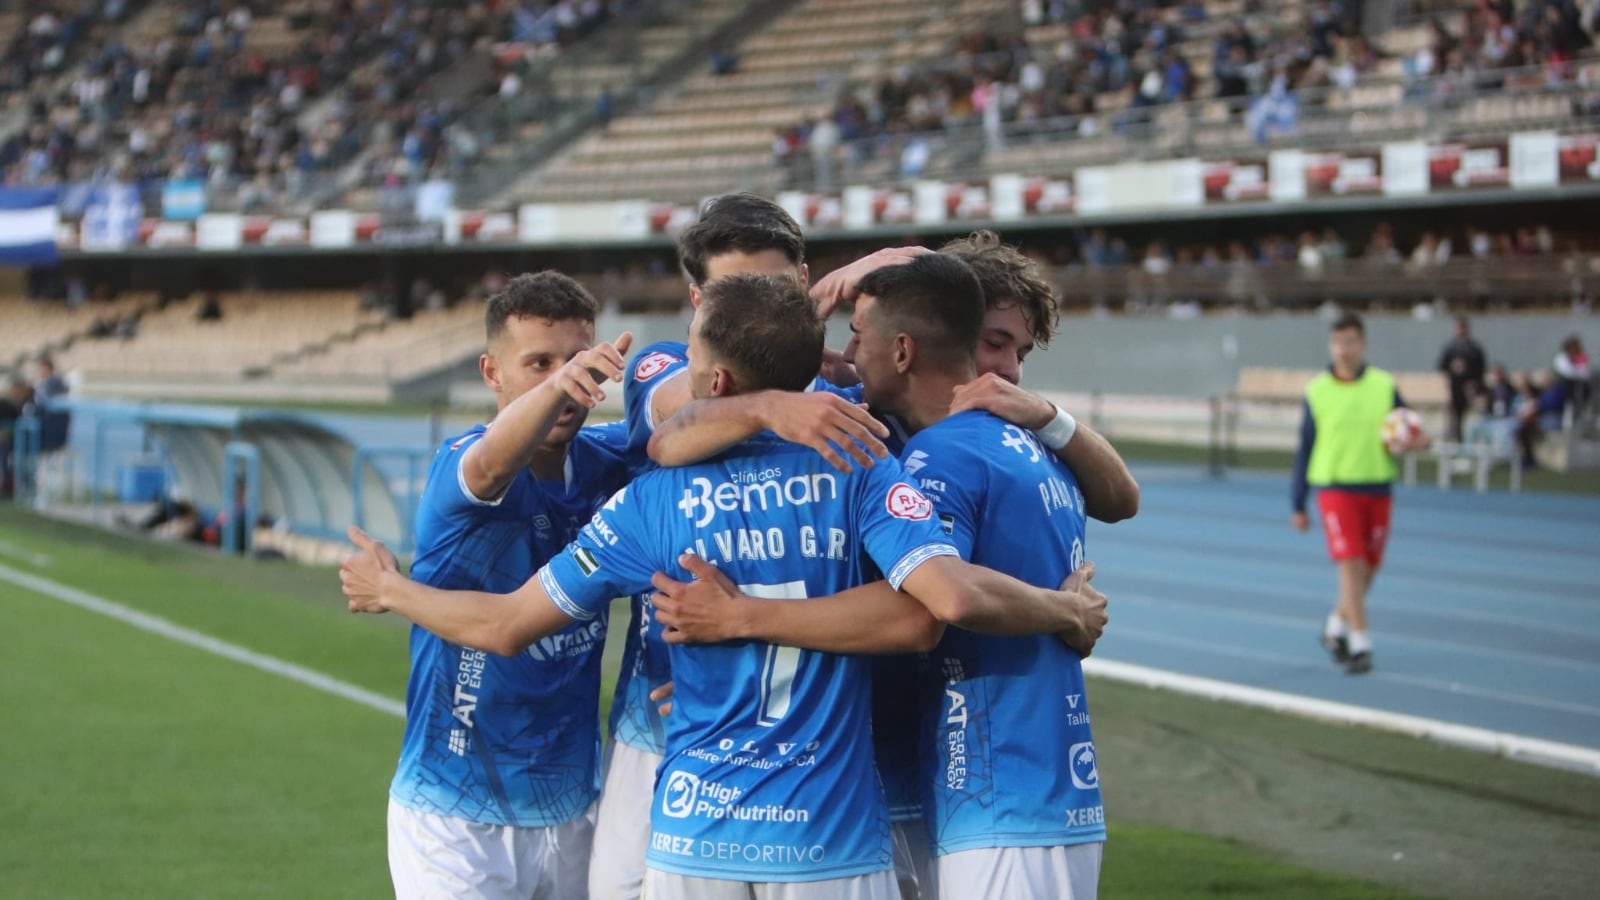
x: 173, y: 631
x: 28, y: 556
x: 1513, y: 746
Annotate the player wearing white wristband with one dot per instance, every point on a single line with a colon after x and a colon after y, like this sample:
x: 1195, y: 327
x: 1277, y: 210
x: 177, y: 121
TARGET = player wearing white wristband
x: 1020, y: 314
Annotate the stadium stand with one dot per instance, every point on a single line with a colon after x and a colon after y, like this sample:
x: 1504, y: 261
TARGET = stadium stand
x: 43, y: 40
x: 312, y: 96
x: 976, y: 87
x: 715, y: 131
x: 546, y: 93
x: 256, y: 329
x: 394, y: 351
x: 35, y: 328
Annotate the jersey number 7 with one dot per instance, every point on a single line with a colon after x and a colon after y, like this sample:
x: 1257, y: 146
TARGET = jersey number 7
x: 781, y: 663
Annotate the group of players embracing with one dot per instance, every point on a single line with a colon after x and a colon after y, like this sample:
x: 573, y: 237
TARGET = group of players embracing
x: 858, y: 584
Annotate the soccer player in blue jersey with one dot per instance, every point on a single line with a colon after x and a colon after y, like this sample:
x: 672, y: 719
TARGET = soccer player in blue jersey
x: 1009, y: 782
x: 736, y: 233
x: 1020, y: 314
x: 499, y: 766
x: 768, y: 788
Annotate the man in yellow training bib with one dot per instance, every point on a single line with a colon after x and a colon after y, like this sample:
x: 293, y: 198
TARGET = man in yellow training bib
x: 1343, y: 456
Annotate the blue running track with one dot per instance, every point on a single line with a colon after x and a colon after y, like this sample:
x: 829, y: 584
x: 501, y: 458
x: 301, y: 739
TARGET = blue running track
x: 1485, y: 613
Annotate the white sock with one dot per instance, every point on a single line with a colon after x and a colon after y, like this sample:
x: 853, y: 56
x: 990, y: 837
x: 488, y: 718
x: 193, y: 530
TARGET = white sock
x: 1334, y: 627
x: 1360, y: 643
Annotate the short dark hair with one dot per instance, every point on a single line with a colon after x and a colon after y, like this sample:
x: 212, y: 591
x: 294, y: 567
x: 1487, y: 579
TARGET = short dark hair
x: 744, y: 223
x: 764, y: 329
x: 1347, y: 321
x: 1009, y: 278
x: 935, y: 298
x: 545, y: 295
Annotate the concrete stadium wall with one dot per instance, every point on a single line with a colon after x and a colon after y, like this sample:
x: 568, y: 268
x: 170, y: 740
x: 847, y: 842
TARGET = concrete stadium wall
x: 1200, y: 357
x: 1186, y: 358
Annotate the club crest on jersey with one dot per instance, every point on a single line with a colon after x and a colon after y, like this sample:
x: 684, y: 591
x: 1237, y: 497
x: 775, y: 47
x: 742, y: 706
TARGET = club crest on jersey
x: 906, y: 502
x: 1085, y: 772
x: 653, y: 365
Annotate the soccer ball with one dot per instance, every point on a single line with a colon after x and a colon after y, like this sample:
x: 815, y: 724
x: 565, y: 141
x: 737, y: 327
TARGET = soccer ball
x: 1402, y: 431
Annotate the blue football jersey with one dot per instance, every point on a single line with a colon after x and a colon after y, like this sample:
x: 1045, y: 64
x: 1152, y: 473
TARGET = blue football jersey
x: 489, y: 739
x: 645, y: 666
x: 768, y: 773
x: 1009, y: 758
x: 896, y: 713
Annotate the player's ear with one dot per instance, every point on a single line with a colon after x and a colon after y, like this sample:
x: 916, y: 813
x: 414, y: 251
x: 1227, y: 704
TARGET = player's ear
x: 805, y: 275
x: 722, y: 383
x: 905, y: 352
x: 694, y: 295
x: 490, y: 370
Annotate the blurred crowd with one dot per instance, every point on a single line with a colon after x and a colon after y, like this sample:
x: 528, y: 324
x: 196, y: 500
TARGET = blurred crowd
x: 256, y: 99
x: 1121, y: 60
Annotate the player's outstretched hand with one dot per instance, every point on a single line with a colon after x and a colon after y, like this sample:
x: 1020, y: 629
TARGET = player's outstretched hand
x: 1300, y: 521
x: 662, y: 696
x: 1091, y: 607
x: 703, y: 611
x: 828, y: 424
x: 581, y: 378
x: 844, y: 285
x: 360, y: 572
x: 991, y: 393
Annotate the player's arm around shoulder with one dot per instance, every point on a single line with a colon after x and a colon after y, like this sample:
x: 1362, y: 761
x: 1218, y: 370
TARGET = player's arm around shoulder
x: 982, y: 600
x: 834, y: 427
x: 1110, y: 492
x: 503, y: 624
x: 870, y: 619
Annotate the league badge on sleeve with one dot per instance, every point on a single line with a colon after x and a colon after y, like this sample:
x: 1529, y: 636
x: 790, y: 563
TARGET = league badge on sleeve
x: 906, y: 502
x: 653, y: 365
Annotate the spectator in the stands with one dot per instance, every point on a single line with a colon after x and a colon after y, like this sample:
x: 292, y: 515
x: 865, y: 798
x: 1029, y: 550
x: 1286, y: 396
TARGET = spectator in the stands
x: 1310, y: 256
x: 1526, y: 410
x: 1333, y: 250
x: 1493, y: 420
x: 210, y: 308
x: 1576, y: 375
x: 1431, y: 252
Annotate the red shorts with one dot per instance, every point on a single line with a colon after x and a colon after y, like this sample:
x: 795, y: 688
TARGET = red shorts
x: 1356, y: 525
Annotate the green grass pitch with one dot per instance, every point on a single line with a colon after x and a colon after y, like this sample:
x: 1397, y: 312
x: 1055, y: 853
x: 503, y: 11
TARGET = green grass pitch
x: 135, y: 766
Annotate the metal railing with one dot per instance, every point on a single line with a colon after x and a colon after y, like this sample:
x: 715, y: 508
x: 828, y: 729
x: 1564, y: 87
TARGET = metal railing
x: 1489, y: 282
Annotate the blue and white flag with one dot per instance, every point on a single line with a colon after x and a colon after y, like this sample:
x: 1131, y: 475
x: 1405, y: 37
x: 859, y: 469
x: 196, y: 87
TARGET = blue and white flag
x: 183, y: 199
x: 111, y: 218
x: 28, y: 222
